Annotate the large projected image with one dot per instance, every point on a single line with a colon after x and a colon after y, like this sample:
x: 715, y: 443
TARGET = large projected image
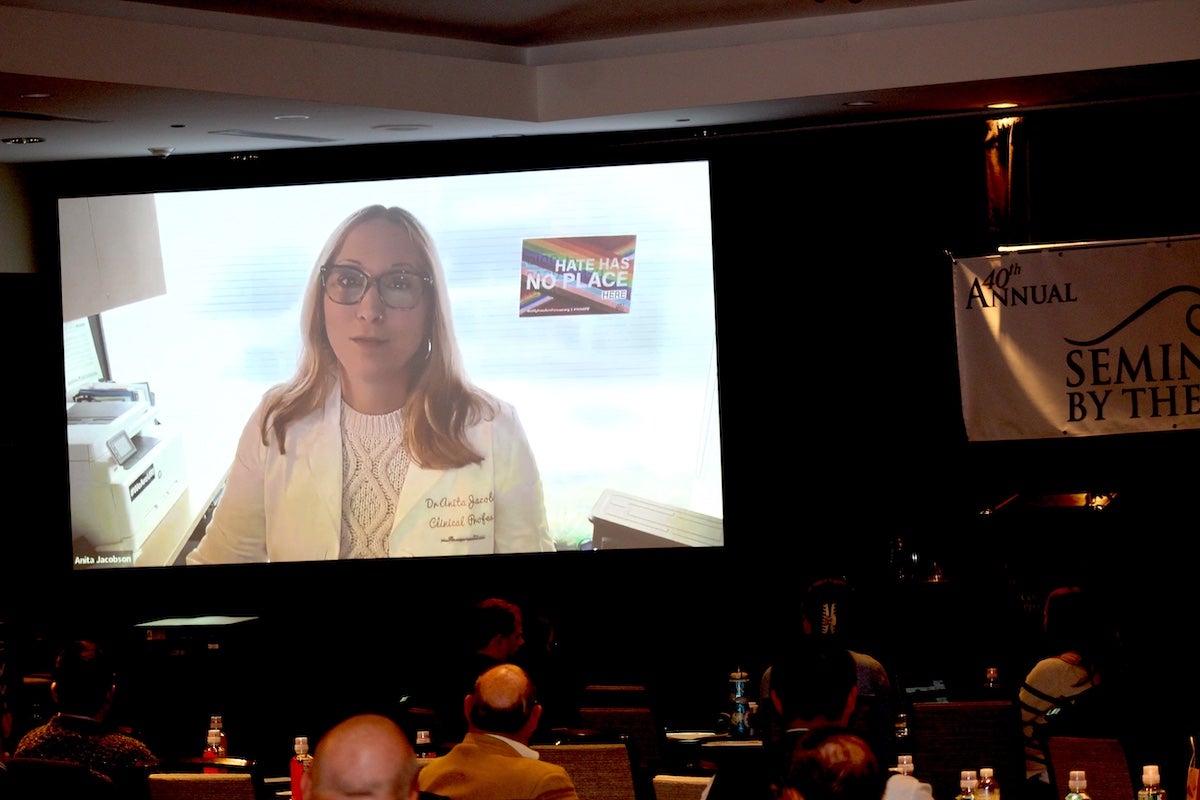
x: 580, y: 302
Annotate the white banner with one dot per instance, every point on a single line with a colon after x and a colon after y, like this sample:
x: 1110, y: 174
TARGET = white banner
x: 1080, y: 340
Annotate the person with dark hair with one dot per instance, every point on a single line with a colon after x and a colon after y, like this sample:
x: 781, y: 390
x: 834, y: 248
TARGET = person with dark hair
x: 827, y: 610
x: 832, y: 763
x: 82, y: 686
x: 379, y: 446
x: 813, y: 686
x: 364, y: 756
x: 1062, y: 691
x: 494, y: 634
x: 494, y: 760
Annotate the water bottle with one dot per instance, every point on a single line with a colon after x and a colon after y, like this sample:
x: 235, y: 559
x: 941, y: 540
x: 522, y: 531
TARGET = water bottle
x: 967, y: 784
x: 739, y: 699
x: 904, y: 764
x: 901, y: 561
x: 213, y: 750
x: 424, y: 745
x: 900, y: 731
x: 1151, y: 788
x: 300, y: 764
x: 988, y: 788
x: 1077, y: 786
x: 215, y: 722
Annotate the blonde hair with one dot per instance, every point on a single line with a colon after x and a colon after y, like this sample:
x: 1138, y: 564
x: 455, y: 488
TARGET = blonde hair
x: 441, y: 404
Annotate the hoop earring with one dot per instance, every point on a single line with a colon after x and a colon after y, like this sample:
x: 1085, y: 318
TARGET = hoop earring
x: 428, y: 348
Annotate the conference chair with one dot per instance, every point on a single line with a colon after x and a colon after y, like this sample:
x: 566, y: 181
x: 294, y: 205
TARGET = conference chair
x: 638, y: 725
x: 1103, y: 760
x: 599, y: 771
x: 680, y: 787
x: 952, y: 736
x: 608, y: 695
x: 201, y: 786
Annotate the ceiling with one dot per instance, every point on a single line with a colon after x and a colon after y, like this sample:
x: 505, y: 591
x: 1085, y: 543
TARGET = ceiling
x: 534, y: 23
x: 116, y: 78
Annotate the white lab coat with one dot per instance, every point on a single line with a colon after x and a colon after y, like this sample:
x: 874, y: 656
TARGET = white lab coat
x: 289, y: 507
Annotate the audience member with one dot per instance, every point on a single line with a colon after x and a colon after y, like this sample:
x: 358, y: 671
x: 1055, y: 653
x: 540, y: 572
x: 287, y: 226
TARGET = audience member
x: 497, y: 633
x: 494, y: 761
x: 828, y: 610
x: 82, y: 687
x: 494, y: 635
x: 1062, y: 691
x: 813, y: 686
x: 364, y: 756
x: 832, y: 763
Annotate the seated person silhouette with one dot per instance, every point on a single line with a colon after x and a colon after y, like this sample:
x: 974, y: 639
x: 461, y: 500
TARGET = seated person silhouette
x: 828, y: 610
x: 814, y: 686
x: 494, y: 635
x: 497, y: 633
x: 494, y: 761
x: 82, y: 687
x: 1070, y: 691
x: 363, y: 756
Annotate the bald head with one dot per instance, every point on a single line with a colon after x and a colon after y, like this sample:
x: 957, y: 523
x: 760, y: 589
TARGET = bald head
x: 365, y: 756
x: 504, y: 701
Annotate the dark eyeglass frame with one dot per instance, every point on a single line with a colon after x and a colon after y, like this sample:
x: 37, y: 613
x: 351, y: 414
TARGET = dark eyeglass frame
x: 425, y: 282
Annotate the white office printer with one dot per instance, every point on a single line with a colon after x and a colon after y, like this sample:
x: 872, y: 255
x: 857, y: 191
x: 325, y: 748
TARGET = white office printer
x: 126, y: 469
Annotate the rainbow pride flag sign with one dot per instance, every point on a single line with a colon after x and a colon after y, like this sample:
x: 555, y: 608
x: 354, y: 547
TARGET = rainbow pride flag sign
x: 577, y: 275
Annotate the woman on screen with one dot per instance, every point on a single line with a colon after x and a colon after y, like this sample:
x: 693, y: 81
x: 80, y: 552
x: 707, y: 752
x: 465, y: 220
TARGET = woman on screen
x: 378, y: 446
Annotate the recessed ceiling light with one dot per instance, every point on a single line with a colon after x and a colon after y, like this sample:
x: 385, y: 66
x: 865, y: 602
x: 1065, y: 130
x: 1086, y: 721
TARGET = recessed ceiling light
x: 1002, y: 105
x: 23, y: 140
x: 860, y: 103
x: 34, y: 95
x: 283, y: 117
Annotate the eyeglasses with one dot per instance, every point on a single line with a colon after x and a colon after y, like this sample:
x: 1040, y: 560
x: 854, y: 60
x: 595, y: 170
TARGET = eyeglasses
x: 347, y: 285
